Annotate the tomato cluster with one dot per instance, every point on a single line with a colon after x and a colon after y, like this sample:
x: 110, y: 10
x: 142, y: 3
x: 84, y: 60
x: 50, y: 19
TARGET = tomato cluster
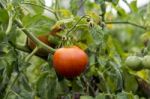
x: 68, y: 62
x: 138, y: 63
x: 44, y: 38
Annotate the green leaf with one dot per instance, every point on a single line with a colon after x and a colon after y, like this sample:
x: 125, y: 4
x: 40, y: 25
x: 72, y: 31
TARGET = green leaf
x: 41, y: 84
x: 86, y: 97
x: 74, y: 6
x: 77, y: 85
x: 133, y: 6
x: 97, y: 34
x: 124, y: 95
x: 104, y: 96
x: 121, y: 12
x: 130, y: 82
x: 38, y: 24
x: 100, y: 96
x: 25, y: 83
x: 51, y: 88
x: 50, y: 60
x: 2, y: 36
x: 115, y: 2
x: 34, y: 5
x: 4, y: 17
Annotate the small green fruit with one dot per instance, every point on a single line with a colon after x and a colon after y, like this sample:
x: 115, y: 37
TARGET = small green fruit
x: 146, y: 62
x: 134, y: 62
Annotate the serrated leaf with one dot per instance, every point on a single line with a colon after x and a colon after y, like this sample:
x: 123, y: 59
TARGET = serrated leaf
x: 130, y: 82
x: 74, y: 6
x: 41, y: 84
x: 2, y: 36
x: 76, y: 85
x: 97, y: 34
x: 104, y: 96
x: 51, y: 89
x: 100, y: 96
x: 121, y: 12
x: 86, y: 97
x: 4, y: 16
x: 82, y: 45
x: 50, y: 60
x: 25, y: 83
x: 115, y: 2
x: 35, y: 6
x: 38, y: 24
x: 133, y: 6
x: 124, y: 95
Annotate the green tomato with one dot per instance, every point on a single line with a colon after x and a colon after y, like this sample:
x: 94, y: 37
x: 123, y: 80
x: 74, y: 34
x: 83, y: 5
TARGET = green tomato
x: 146, y: 62
x: 134, y: 62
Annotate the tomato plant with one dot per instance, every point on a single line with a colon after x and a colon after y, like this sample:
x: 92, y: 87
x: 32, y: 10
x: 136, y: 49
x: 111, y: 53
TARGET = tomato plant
x: 74, y: 49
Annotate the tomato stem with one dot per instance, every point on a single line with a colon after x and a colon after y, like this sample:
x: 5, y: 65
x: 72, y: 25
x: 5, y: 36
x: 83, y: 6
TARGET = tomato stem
x: 125, y: 22
x: 9, y: 24
x: 31, y: 54
x: 76, y: 24
x: 56, y: 9
x: 33, y: 38
x: 50, y: 10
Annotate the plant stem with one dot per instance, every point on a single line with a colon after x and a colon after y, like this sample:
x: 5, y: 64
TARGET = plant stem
x: 86, y: 83
x: 56, y: 9
x: 76, y: 24
x: 33, y: 38
x: 126, y: 22
x: 9, y: 89
x: 31, y: 54
x: 9, y: 24
x: 50, y: 10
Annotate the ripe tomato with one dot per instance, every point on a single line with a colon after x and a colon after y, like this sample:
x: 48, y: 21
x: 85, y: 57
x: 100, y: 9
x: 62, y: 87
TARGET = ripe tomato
x: 41, y: 51
x: 70, y: 61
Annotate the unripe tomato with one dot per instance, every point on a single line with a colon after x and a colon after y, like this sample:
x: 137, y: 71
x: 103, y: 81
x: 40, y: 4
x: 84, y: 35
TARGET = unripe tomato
x: 70, y: 61
x: 41, y: 51
x: 134, y: 62
x: 146, y: 61
x: 145, y: 38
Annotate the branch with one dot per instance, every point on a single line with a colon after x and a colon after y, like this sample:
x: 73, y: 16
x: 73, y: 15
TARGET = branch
x: 126, y: 22
x: 50, y: 10
x: 86, y: 83
x: 33, y: 38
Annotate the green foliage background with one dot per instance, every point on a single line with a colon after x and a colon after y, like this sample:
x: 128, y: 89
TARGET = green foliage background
x: 107, y: 38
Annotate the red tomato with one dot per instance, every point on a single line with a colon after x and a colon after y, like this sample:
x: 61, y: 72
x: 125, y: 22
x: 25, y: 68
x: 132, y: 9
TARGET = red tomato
x: 70, y: 62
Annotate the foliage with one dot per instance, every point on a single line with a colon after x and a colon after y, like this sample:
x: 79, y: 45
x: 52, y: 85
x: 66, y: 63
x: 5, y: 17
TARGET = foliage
x: 107, y: 37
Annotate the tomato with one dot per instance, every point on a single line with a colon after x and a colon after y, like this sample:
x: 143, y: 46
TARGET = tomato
x: 70, y: 62
x: 41, y: 51
x: 146, y: 61
x: 134, y: 62
x: 145, y: 38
